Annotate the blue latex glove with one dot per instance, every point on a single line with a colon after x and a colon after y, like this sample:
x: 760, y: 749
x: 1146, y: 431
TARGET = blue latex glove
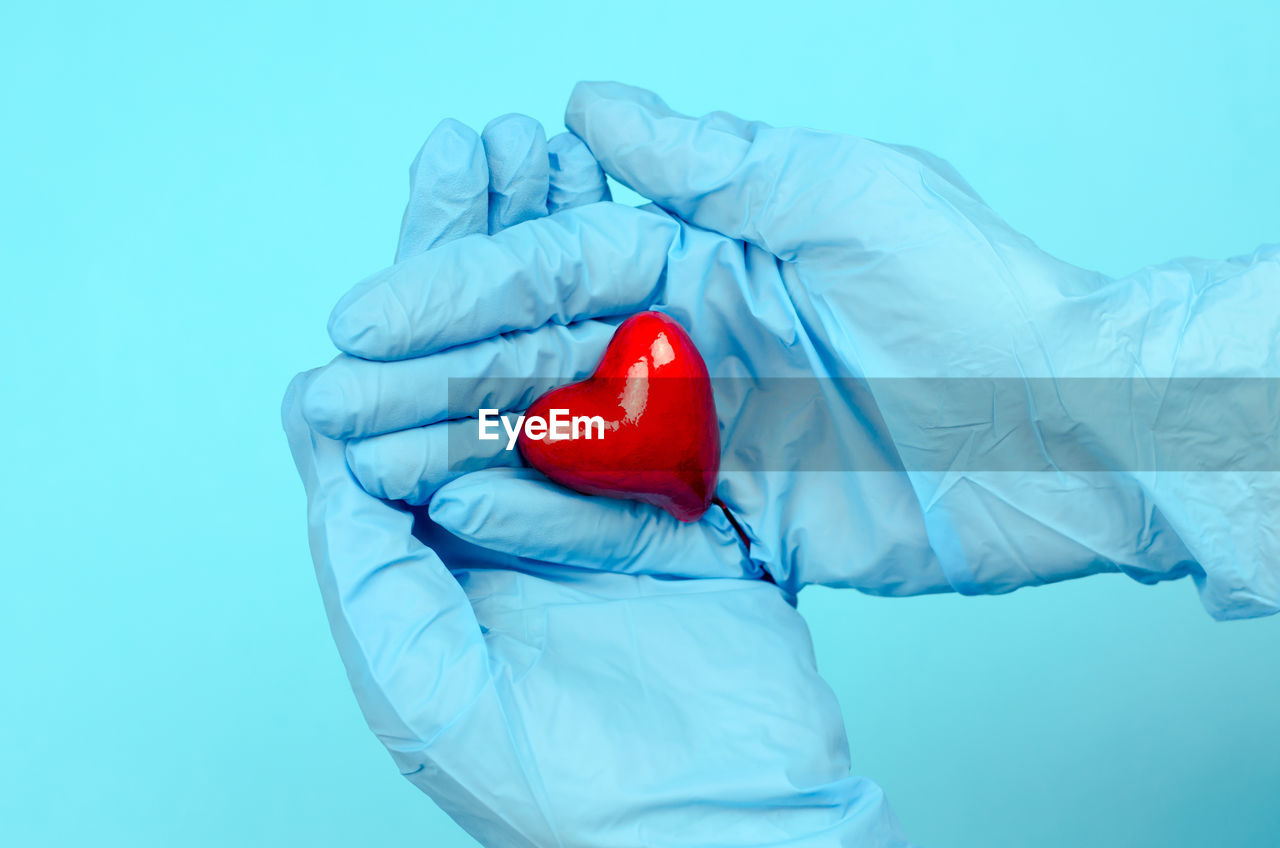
x: 545, y: 705
x: 795, y: 254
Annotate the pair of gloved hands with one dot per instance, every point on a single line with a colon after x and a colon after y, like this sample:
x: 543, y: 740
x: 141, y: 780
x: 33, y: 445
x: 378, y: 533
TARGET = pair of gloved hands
x: 524, y: 651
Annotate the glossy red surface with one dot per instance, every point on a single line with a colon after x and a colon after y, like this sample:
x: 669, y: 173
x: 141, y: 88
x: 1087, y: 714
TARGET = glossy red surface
x: 661, y: 440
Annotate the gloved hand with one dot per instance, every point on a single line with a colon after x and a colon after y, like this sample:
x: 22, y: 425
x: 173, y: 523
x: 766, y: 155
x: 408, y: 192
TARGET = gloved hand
x: 545, y: 705
x: 805, y: 256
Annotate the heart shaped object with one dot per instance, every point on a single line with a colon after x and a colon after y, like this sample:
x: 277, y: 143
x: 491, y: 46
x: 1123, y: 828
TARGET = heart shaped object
x: 643, y: 426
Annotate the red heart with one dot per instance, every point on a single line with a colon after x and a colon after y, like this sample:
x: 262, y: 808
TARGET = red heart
x: 659, y: 441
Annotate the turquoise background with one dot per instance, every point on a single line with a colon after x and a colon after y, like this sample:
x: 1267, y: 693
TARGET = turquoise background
x: 185, y: 193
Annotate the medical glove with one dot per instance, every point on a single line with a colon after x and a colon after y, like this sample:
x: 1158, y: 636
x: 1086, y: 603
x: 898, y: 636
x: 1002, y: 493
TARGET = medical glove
x: 543, y: 705
x: 540, y: 705
x: 802, y: 256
